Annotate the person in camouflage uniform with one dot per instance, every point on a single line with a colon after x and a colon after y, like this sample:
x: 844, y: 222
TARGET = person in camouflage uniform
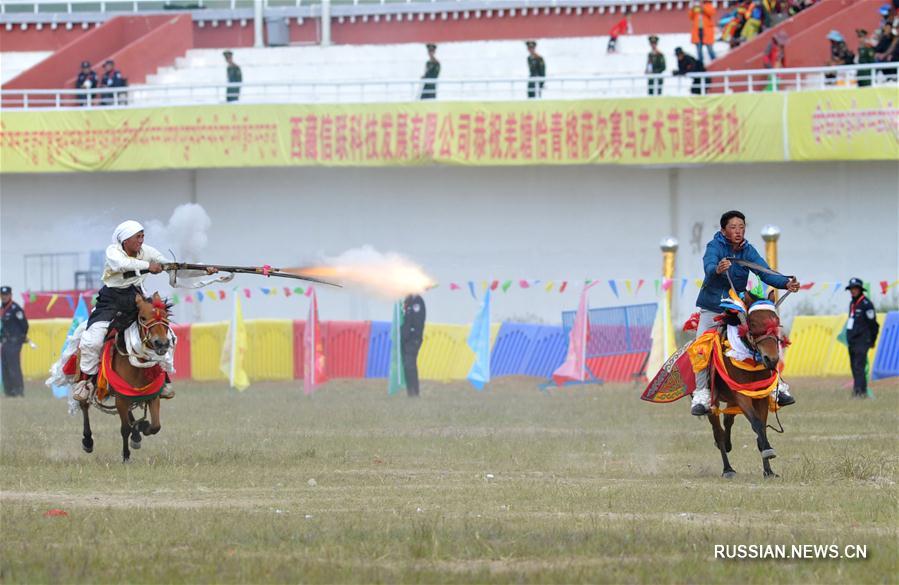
x: 655, y: 63
x: 536, y: 69
x: 432, y: 71
x: 865, y: 55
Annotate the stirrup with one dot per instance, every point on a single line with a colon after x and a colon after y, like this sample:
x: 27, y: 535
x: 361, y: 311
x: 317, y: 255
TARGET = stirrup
x: 167, y: 392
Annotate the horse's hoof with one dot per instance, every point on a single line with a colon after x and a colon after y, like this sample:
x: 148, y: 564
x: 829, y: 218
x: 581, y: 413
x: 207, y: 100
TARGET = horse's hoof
x: 768, y: 454
x: 87, y: 448
x: 135, y: 444
x: 126, y: 461
x: 771, y: 475
x: 729, y: 474
x: 144, y: 427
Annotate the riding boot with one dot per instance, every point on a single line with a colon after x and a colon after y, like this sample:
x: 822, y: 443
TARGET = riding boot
x: 167, y: 390
x: 84, y: 388
x: 784, y: 398
x: 701, y: 403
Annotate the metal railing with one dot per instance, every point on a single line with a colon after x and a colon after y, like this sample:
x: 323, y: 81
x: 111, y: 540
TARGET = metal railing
x: 493, y: 89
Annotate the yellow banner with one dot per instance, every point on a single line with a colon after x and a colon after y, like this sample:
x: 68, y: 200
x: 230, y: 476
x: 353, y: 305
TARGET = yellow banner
x: 651, y: 130
x: 860, y: 124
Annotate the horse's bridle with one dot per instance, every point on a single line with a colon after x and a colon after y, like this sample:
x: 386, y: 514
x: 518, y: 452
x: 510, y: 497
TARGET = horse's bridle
x: 159, y: 319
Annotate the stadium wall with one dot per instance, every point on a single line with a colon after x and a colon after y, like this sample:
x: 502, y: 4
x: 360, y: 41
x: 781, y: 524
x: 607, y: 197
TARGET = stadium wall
x: 479, y: 224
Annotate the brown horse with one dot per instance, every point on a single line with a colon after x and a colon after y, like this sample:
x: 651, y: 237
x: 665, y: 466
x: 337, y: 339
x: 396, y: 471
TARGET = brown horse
x: 761, y: 332
x: 154, y: 340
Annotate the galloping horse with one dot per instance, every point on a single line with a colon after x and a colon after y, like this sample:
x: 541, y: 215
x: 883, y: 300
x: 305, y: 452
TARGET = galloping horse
x: 746, y: 388
x: 130, y: 371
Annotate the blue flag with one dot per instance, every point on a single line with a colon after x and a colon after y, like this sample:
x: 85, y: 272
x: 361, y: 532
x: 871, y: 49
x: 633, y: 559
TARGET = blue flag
x: 479, y: 342
x: 81, y: 315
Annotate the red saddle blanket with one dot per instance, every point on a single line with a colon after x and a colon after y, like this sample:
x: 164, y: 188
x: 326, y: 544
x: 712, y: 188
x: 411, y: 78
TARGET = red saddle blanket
x: 110, y: 381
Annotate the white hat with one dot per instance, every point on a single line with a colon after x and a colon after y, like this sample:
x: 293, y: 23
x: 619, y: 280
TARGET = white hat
x: 125, y: 230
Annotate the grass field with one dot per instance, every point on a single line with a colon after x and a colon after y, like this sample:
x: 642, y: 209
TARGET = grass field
x: 509, y: 485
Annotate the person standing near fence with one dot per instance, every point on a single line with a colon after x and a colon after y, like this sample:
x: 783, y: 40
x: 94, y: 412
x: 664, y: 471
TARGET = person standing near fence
x: 411, y: 336
x: 861, y: 335
x: 432, y: 71
x: 536, y: 70
x: 655, y: 64
x: 13, y: 333
x: 235, y: 77
x: 702, y: 17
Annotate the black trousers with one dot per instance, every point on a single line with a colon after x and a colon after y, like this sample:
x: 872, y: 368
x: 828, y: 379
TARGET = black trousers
x: 11, y: 354
x: 858, y: 361
x: 410, y: 364
x: 655, y: 86
x: 429, y: 91
x: 535, y: 89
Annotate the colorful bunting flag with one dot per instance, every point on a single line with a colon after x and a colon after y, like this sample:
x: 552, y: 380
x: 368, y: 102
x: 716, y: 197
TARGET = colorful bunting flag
x: 471, y: 290
x: 640, y: 284
x: 524, y: 284
x: 549, y: 286
x: 506, y: 285
x: 564, y: 286
x: 683, y: 285
x: 628, y: 287
x: 234, y: 350
x: 575, y: 365
x: 614, y: 288
x: 454, y: 286
x: 494, y: 285
x: 479, y: 342
x: 396, y: 379
x: 313, y: 346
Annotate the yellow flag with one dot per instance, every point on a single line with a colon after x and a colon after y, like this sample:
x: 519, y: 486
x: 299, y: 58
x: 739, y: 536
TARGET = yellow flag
x: 235, y: 349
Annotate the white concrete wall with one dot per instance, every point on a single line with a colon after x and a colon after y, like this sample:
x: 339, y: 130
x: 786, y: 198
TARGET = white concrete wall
x: 839, y: 220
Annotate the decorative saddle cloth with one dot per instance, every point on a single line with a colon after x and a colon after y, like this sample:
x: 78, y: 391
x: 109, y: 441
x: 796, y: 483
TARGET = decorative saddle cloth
x: 677, y: 378
x: 108, y: 381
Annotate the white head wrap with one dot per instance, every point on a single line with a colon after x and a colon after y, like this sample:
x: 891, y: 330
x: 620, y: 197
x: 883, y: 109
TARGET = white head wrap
x: 125, y: 230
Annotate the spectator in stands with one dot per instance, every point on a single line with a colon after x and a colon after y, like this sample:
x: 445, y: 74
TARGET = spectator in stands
x: 882, y: 53
x: 235, y: 77
x: 797, y: 6
x: 865, y: 55
x: 655, y: 64
x: 702, y: 15
x: 112, y: 77
x: 432, y: 71
x: 536, y: 70
x: 732, y: 29
x: 86, y: 80
x: 687, y: 64
x: 753, y: 26
x: 861, y: 335
x: 775, y: 58
x: 621, y: 27
x: 411, y: 335
x: 839, y: 54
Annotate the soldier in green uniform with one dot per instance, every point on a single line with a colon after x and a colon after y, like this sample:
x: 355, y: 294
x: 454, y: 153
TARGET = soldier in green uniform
x: 655, y: 63
x: 234, y: 77
x: 432, y: 71
x: 865, y: 55
x: 537, y: 69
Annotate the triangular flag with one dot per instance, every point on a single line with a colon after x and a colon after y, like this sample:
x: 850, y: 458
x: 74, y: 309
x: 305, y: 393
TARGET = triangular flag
x: 494, y: 285
x: 454, y: 286
x: 575, y: 365
x: 211, y: 295
x: 222, y: 295
x: 72, y: 302
x: 246, y: 292
x: 656, y: 283
x: 479, y: 342
x: 683, y: 286
x: 666, y: 284
x: 524, y: 284
x: 807, y: 286
x: 396, y: 379
x: 549, y: 286
x: 614, y: 287
x: 698, y: 282
x: 309, y: 291
x: 564, y: 286
x: 640, y: 284
x: 188, y: 298
x: 884, y: 287
x: 628, y: 286
x: 234, y: 350
x: 836, y: 287
x: 471, y: 290
x: 298, y: 290
x: 506, y: 285
x: 264, y: 291
x: 175, y: 299
x: 287, y: 291
x: 53, y: 299
x: 200, y: 296
x: 313, y: 346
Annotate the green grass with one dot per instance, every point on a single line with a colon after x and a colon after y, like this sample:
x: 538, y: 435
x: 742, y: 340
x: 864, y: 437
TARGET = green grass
x: 510, y: 485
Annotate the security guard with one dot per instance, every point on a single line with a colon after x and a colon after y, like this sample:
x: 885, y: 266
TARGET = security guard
x: 235, y: 77
x: 86, y: 80
x: 112, y: 77
x: 866, y: 54
x: 655, y: 63
x: 861, y: 334
x: 432, y: 71
x: 411, y: 335
x: 536, y: 69
x: 13, y: 334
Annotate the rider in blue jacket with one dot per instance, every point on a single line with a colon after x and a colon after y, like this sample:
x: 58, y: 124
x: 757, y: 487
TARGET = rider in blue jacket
x: 728, y: 244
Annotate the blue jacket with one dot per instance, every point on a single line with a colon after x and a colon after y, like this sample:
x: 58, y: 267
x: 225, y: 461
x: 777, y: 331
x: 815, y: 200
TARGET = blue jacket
x: 715, y: 286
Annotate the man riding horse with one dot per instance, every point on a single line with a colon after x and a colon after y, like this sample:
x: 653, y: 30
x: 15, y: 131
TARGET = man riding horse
x: 720, y: 272
x: 128, y: 263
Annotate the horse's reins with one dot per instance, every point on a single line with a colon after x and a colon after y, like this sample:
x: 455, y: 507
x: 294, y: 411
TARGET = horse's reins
x: 753, y: 343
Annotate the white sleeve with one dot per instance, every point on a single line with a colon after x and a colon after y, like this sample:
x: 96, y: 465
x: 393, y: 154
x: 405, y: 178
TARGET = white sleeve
x: 151, y: 254
x: 118, y: 261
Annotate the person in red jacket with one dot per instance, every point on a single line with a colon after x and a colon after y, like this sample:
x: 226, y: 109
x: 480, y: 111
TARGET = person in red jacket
x: 702, y: 15
x: 622, y: 27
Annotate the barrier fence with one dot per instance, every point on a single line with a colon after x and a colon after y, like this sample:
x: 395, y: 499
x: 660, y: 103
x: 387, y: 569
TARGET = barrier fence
x: 362, y: 349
